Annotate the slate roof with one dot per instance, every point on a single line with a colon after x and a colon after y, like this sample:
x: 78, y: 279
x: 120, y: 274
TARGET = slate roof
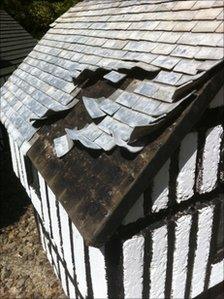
x: 131, y: 61
x: 15, y: 44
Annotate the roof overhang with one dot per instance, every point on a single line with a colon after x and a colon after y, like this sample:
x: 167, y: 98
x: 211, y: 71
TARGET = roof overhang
x: 97, y: 190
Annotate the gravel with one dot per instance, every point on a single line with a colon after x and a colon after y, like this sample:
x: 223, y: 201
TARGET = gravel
x: 24, y: 268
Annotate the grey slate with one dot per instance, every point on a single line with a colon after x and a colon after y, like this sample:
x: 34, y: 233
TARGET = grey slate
x: 170, y: 41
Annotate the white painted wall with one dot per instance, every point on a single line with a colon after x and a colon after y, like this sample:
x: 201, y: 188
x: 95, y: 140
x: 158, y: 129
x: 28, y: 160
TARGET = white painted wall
x: 98, y: 272
x: 79, y: 261
x: 13, y: 156
x: 160, y: 189
x: 202, y: 251
x: 187, y: 166
x: 217, y: 274
x: 133, y: 252
x: 211, y: 158
x: 180, y: 260
x: 46, y: 219
x: 66, y: 243
x: 54, y: 221
x: 159, y: 262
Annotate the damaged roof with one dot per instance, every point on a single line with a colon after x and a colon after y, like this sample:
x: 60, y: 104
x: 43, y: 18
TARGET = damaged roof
x: 16, y: 44
x: 110, y: 75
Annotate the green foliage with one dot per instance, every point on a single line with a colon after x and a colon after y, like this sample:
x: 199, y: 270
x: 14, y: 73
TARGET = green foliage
x: 36, y: 15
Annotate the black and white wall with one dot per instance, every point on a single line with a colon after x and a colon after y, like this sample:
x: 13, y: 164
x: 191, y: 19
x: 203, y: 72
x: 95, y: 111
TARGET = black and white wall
x: 170, y: 245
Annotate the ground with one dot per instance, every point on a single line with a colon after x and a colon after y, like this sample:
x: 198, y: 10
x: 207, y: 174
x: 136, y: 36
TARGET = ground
x: 24, y: 268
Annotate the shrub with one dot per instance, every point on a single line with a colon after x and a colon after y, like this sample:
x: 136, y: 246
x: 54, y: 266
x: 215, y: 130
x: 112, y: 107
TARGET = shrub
x: 36, y: 15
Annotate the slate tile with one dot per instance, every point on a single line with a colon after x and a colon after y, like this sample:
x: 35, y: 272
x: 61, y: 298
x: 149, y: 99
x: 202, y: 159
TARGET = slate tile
x: 187, y: 66
x: 184, y: 79
x: 172, y: 37
x: 218, y: 3
x: 220, y: 29
x: 146, y: 105
x: 146, y: 88
x: 106, y: 142
x: 144, y: 57
x: 165, y: 62
x: 215, y: 39
x: 170, y: 78
x: 114, y: 77
x: 109, y: 106
x: 62, y: 145
x: 165, y: 26
x: 139, y: 46
x: 166, y: 6
x: 152, y: 36
x: 147, y: 67
x: 184, y: 5
x: 189, y: 38
x: 133, y: 118
x: 183, y: 15
x: 91, y: 132
x: 208, y: 14
x: 92, y: 107
x: 127, y: 99
x: 210, y: 53
x: 207, y: 65
x: 185, y: 51
x: 115, y: 44
x: 146, y: 25
x: 200, y: 4
x: 77, y: 136
x: 165, y: 93
x: 206, y: 26
x: 163, y: 49
x: 109, y: 124
x: 220, y: 17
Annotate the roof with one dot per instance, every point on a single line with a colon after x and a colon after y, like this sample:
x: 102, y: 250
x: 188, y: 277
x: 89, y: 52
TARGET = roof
x: 16, y: 44
x: 169, y: 52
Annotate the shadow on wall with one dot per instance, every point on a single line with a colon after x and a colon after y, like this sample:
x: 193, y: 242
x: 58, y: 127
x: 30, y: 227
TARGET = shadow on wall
x: 13, y: 198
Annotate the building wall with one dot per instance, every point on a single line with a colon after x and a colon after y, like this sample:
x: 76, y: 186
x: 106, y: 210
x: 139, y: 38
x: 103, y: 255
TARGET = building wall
x: 166, y: 246
x: 193, y: 169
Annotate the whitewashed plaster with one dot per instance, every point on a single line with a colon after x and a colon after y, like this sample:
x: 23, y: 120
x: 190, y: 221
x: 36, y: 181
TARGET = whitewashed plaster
x: 136, y: 212
x: 202, y: 251
x: 158, y: 262
x: 211, y: 158
x: 217, y: 274
x: 54, y: 221
x: 160, y: 189
x: 133, y: 255
x: 79, y: 261
x: 71, y: 287
x: 187, y: 166
x: 218, y: 100
x: 67, y: 250
x: 21, y: 177
x: 46, y: 220
x: 63, y: 278
x: 13, y: 156
x: 98, y: 272
x: 180, y: 260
